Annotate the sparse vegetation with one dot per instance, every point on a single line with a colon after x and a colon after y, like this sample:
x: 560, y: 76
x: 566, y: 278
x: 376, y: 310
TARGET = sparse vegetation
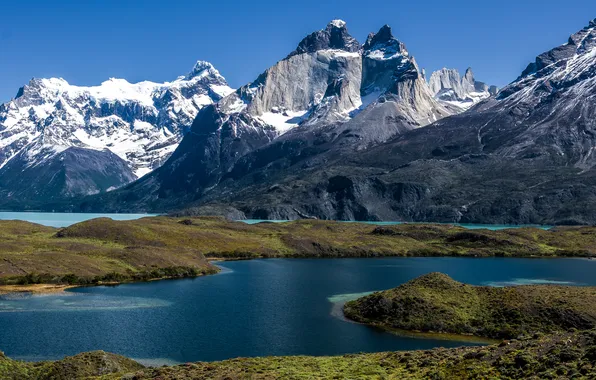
x: 551, y: 329
x: 103, y: 250
x: 562, y: 355
x: 437, y: 303
x: 82, y: 366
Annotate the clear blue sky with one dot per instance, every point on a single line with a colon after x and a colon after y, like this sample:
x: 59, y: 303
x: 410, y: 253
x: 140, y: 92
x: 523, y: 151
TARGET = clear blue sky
x: 88, y: 41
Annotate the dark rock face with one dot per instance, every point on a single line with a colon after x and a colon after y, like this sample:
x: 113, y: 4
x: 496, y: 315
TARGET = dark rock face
x: 334, y: 36
x: 62, y: 174
x: 524, y: 156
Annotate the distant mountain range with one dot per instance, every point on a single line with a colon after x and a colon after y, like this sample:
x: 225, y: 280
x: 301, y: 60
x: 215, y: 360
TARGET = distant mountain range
x: 340, y: 130
x: 59, y: 140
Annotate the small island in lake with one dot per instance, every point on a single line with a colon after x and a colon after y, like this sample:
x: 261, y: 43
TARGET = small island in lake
x: 437, y: 303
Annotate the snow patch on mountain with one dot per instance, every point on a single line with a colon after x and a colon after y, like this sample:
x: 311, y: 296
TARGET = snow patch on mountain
x: 142, y: 123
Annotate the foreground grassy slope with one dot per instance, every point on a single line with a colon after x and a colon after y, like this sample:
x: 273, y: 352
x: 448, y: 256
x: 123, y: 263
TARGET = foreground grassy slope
x: 437, y: 303
x: 175, y: 247
x: 562, y: 355
x: 82, y: 366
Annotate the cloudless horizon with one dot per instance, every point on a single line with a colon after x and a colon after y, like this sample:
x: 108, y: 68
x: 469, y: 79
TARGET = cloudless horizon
x: 89, y: 42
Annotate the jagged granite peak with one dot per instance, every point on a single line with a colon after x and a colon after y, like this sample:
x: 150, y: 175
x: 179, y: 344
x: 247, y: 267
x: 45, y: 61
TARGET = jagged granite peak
x: 459, y: 93
x: 469, y: 84
x: 384, y: 45
x: 447, y: 80
x: 327, y: 96
x: 334, y: 36
x: 383, y: 36
x: 523, y: 157
x: 526, y: 156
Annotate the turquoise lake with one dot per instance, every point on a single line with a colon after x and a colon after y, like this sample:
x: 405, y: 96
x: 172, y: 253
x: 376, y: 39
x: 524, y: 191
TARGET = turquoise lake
x: 56, y: 219
x: 66, y: 219
x: 253, y: 308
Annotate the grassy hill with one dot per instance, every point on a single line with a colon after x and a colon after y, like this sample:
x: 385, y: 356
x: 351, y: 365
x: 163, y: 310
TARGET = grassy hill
x: 82, y: 366
x: 437, y: 303
x: 157, y: 247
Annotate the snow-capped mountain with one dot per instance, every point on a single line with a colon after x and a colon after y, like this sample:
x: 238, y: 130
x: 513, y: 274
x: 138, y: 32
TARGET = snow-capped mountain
x: 142, y: 123
x: 330, y: 79
x: 525, y: 155
x: 330, y: 93
x: 59, y: 140
x: 459, y: 93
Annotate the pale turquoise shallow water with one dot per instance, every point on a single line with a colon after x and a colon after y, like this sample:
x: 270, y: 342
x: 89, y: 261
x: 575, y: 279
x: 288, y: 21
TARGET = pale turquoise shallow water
x: 56, y: 219
x: 493, y: 227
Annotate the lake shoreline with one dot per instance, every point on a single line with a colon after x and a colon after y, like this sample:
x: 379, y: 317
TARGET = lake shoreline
x: 331, y: 350
x: 36, y: 289
x: 50, y: 288
x: 103, y: 251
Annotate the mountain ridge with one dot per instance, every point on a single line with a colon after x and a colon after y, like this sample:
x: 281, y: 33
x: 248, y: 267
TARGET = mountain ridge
x: 368, y: 140
x: 140, y: 124
x: 523, y: 157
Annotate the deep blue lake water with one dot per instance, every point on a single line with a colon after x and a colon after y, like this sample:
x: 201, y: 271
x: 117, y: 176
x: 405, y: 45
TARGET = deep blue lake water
x: 253, y: 308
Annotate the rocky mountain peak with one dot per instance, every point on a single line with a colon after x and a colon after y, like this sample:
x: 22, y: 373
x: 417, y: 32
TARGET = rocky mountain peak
x: 384, y: 46
x: 334, y: 36
x: 340, y: 24
x: 384, y: 35
x: 578, y: 44
x: 469, y: 75
x: 202, y: 69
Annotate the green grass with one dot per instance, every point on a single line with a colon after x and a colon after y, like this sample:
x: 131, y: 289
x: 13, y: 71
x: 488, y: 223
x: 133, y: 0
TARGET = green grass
x: 91, y: 250
x: 437, y: 303
x: 82, y: 366
x: 562, y: 355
